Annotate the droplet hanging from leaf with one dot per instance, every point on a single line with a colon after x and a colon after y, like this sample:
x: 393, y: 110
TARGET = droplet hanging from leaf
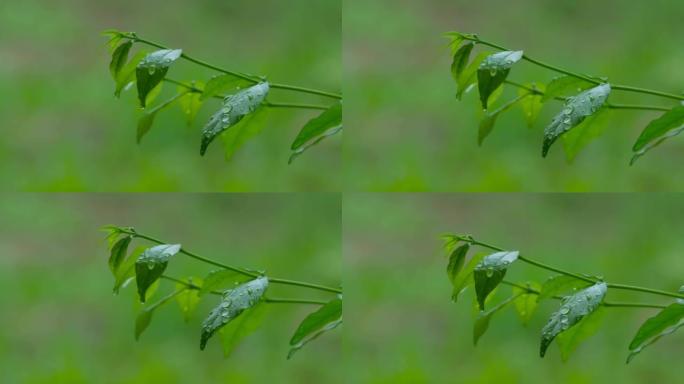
x: 489, y: 273
x: 151, y: 265
x: 493, y: 71
x: 151, y: 71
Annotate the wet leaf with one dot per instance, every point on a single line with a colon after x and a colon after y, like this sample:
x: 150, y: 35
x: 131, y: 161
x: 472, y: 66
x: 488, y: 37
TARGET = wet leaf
x: 235, y: 302
x: 234, y: 109
x: 653, y: 340
x: 575, y: 110
x: 317, y: 320
x: 493, y: 72
x: 573, y: 309
x: 151, y: 71
x: 457, y: 261
x: 560, y: 285
x: 569, y: 340
x: 565, y: 86
x: 489, y: 273
x: 526, y: 301
x: 670, y: 316
x: 670, y: 124
x: 482, y: 322
x: 151, y: 265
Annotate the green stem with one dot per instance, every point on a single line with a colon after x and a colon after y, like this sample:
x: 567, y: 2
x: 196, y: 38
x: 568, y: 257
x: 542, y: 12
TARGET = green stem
x: 232, y: 268
x: 554, y: 68
x: 472, y: 241
x: 251, y: 79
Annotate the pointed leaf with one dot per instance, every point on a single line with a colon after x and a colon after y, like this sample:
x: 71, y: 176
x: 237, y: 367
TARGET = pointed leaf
x: 330, y: 118
x: 465, y: 277
x: 641, y: 347
x: 460, y: 63
x: 583, y: 134
x: 493, y: 72
x: 482, y: 322
x: 573, y: 309
x: 559, y: 285
x: 151, y: 265
x: 234, y: 302
x: 457, y: 261
x: 247, y: 323
x: 670, y: 124
x: 152, y: 69
x: 126, y: 271
x: 329, y: 133
x: 532, y: 104
x: 668, y: 317
x: 569, y: 340
x: 489, y: 273
x: 234, y: 109
x: 526, y: 301
x: 118, y: 253
x: 220, y: 279
x: 327, y: 328
x: 119, y: 58
x: 317, y: 320
x: 468, y: 77
x: 246, y: 129
x: 564, y: 86
x: 126, y: 75
x: 576, y: 109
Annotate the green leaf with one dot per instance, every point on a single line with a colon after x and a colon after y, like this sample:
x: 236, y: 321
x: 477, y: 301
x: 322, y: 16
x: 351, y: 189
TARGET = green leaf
x: 588, y: 130
x: 493, y: 72
x: 146, y: 121
x: 460, y: 63
x: 151, y: 71
x: 221, y: 83
x: 115, y: 38
x: 456, y: 40
x: 190, y: 103
x: 317, y: 320
x: 482, y: 322
x: 532, y: 104
x: 573, y: 309
x: 569, y: 340
x: 564, y: 86
x: 670, y: 124
x: 526, y: 302
x: 327, y: 328
x: 126, y: 75
x: 330, y: 118
x: 668, y: 317
x: 234, y: 109
x: 457, y: 261
x: 220, y: 279
x: 331, y: 132
x: 233, y: 333
x: 489, y: 273
x: 468, y: 77
x: 151, y: 265
x: 234, y: 302
x: 119, y: 59
x: 239, y: 134
x: 189, y: 298
x: 641, y: 347
x: 560, y: 284
x: 126, y: 270
x: 575, y: 110
x: 487, y: 123
x: 465, y: 278
x: 144, y: 318
x: 118, y: 253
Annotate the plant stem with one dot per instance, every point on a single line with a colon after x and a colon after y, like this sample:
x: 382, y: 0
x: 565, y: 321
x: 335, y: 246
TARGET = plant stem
x: 554, y: 68
x: 251, y: 79
x: 472, y: 241
x: 232, y: 268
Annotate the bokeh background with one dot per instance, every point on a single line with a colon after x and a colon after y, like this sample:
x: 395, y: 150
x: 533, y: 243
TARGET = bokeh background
x: 411, y: 134
x: 60, y: 322
x: 407, y: 330
x: 64, y: 130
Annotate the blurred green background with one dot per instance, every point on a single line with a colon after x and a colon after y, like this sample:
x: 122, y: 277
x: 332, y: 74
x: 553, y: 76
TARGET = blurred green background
x: 407, y: 329
x: 411, y: 134
x: 64, y: 130
x: 61, y: 323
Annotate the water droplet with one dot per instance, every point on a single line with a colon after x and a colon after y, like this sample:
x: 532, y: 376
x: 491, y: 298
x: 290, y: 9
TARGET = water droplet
x: 567, y: 110
x: 564, y: 310
x: 151, y: 70
x: 492, y: 72
x: 150, y: 265
x: 489, y: 272
x: 567, y: 120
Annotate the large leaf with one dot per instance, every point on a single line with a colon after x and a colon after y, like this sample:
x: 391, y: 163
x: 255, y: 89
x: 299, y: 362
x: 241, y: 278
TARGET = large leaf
x: 151, y: 265
x: 482, y: 322
x: 189, y: 298
x: 151, y: 71
x: 457, y: 261
x: 559, y: 285
x: 330, y: 118
x: 641, y: 347
x: 668, y: 317
x: 493, y: 72
x: 142, y: 321
x: 465, y: 277
x: 670, y: 124
x: 234, y: 303
x: 573, y: 309
x: 234, y: 109
x: 119, y: 58
x: 569, y: 340
x: 531, y: 104
x: 327, y: 328
x: 317, y: 320
x: 118, y: 253
x: 575, y: 110
x: 583, y: 134
x: 220, y: 279
x: 564, y: 86
x: 147, y: 120
x: 487, y: 123
x: 489, y: 273
x: 247, y: 323
x: 526, y: 301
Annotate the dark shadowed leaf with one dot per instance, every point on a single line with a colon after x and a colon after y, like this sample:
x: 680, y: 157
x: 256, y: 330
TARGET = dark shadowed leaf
x: 465, y: 277
x: 220, y: 279
x: 118, y: 253
x: 234, y: 303
x: 317, y: 320
x: 573, y: 309
x: 575, y: 110
x: 526, y: 301
x: 327, y: 328
x: 330, y: 118
x: 460, y: 63
x: 119, y: 58
x: 670, y: 124
x: 579, y: 137
x: 532, y: 104
x: 126, y: 271
x: 457, y: 261
x: 493, y: 72
x: 126, y: 75
x: 668, y: 317
x: 468, y: 77
x: 569, y: 340
x: 482, y: 322
x: 234, y: 109
x: 489, y: 273
x: 151, y: 265
x: 247, y: 323
x: 565, y: 86
x: 560, y: 285
x: 151, y: 71
x: 487, y: 123
x: 189, y: 298
x: 147, y: 119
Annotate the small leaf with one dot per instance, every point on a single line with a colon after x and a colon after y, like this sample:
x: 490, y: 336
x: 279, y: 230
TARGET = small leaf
x: 126, y: 75
x: 119, y: 59
x: 126, y: 270
x: 249, y: 321
x: 575, y: 110
x: 569, y: 340
x: 641, y: 347
x: 234, y: 302
x: 489, y: 273
x: 468, y: 77
x: 482, y: 322
x: 146, y: 121
x: 190, y: 103
x: 668, y: 317
x: 456, y: 40
x: 151, y: 265
x: 142, y: 321
x: 460, y: 63
x: 580, y: 136
x: 152, y: 69
x: 331, y: 132
x: 560, y: 284
x: 118, y: 253
x: 220, y: 279
x: 564, y: 86
x: 465, y: 278
x: 573, y: 309
x: 330, y: 118
x: 456, y: 261
x: 221, y: 83
x: 487, y: 123
x: 189, y: 298
x: 234, y: 109
x: 493, y: 72
x: 526, y: 301
x: 327, y: 328
x: 317, y: 320
x: 670, y: 124
x: 532, y: 104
